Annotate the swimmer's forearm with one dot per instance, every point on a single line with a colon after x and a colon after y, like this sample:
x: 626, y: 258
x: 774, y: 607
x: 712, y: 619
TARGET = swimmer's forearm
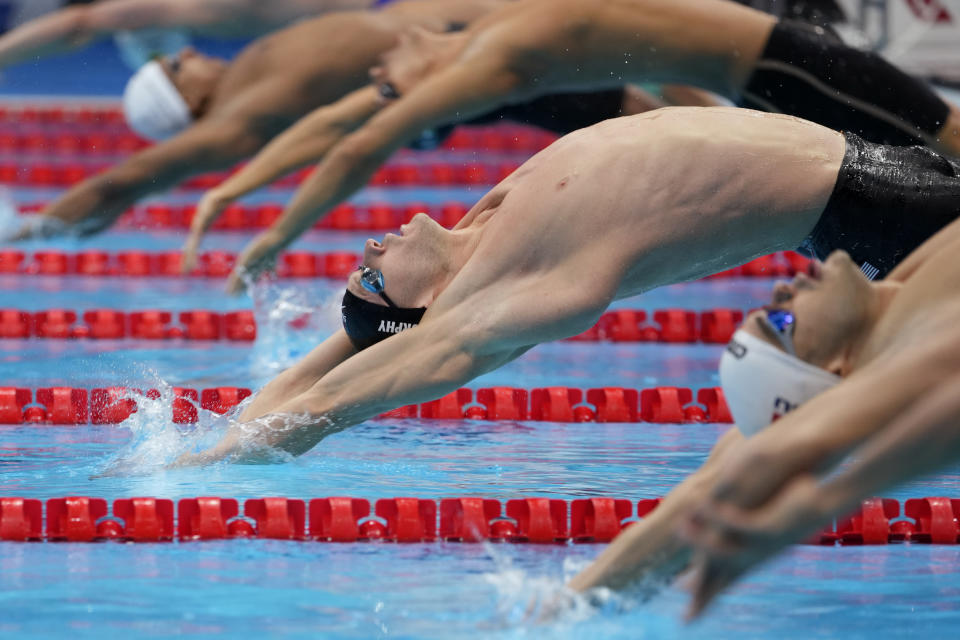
x: 301, y: 377
x: 208, y: 146
x: 415, y: 366
x: 458, y: 92
x: 93, y: 204
x: 97, y: 202
x: 651, y: 548
x: 922, y: 440
x: 55, y: 33
x: 305, y: 142
x: 840, y: 419
x: 818, y: 435
x: 344, y: 171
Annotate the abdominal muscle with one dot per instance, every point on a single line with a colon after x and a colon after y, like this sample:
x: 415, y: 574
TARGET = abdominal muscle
x: 642, y: 201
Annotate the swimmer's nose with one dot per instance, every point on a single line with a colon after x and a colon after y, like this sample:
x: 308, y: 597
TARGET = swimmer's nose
x: 783, y: 292
x: 370, y: 249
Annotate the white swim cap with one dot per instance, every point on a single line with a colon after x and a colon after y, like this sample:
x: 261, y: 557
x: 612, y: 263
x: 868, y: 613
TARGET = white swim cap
x: 153, y: 106
x: 762, y: 383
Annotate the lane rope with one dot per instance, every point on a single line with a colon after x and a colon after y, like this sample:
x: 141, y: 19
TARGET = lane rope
x: 666, y: 326
x: 66, y: 405
x: 345, y: 519
x: 291, y: 264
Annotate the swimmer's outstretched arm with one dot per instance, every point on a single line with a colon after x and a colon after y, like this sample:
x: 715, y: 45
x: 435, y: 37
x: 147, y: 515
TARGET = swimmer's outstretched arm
x: 460, y: 91
x: 417, y: 365
x: 306, y: 141
x: 78, y: 26
x: 97, y: 202
x: 650, y: 549
x: 766, y: 495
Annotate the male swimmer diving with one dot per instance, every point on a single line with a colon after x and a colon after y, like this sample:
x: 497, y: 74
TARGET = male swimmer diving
x: 607, y: 212
x: 896, y: 345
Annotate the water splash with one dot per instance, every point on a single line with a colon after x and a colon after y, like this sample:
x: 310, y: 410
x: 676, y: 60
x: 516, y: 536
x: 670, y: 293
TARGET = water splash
x: 156, y: 441
x: 12, y: 223
x: 525, y: 600
x: 291, y: 320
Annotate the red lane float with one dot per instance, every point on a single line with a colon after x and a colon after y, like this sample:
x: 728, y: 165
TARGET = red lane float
x: 108, y: 405
x: 40, y: 172
x: 102, y: 130
x: 931, y: 520
x: 668, y: 325
x: 112, y: 405
x: 240, y: 326
x: 109, y: 324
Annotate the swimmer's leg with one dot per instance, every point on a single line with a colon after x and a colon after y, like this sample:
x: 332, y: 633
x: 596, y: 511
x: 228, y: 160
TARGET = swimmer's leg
x: 651, y: 550
x: 808, y: 72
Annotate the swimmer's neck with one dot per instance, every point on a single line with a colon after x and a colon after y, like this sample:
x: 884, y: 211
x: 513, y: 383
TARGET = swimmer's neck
x: 861, y: 348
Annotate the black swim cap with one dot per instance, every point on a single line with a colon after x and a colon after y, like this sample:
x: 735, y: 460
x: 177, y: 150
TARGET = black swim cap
x: 367, y: 323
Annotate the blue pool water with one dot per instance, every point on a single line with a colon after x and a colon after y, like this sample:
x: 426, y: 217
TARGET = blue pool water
x: 252, y: 588
x: 259, y: 588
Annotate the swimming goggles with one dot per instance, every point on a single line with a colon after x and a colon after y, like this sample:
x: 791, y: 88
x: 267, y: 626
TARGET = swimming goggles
x: 782, y: 325
x: 174, y: 62
x: 372, y: 281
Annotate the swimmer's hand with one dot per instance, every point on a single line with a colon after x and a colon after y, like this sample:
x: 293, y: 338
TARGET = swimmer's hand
x: 729, y: 540
x: 20, y: 228
x: 208, y: 210
x: 257, y: 258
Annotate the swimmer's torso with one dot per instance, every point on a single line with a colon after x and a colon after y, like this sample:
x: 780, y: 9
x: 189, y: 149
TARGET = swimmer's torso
x: 567, y: 42
x: 626, y: 205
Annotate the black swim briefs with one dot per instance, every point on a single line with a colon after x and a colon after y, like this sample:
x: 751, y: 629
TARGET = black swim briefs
x: 808, y: 72
x: 887, y: 201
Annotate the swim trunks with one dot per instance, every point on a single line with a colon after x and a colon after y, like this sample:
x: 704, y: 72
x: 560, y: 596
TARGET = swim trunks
x: 887, y: 201
x: 808, y: 72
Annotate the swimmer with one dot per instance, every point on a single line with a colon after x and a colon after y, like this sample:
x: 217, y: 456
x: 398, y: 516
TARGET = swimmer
x: 210, y: 114
x: 754, y: 496
x: 81, y: 25
x: 529, y: 48
x: 607, y: 212
x: 896, y: 345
